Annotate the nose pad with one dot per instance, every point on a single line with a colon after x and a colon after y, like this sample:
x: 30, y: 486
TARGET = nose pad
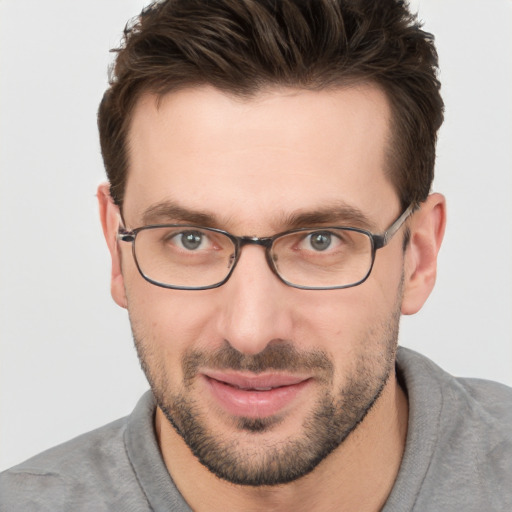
x: 231, y: 260
x: 272, y: 263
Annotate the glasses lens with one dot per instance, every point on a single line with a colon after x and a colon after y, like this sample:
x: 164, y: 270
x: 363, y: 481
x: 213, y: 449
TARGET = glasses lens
x: 323, y: 258
x: 183, y: 256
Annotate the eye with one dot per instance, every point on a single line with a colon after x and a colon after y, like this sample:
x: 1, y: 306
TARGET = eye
x: 321, y: 241
x: 190, y: 240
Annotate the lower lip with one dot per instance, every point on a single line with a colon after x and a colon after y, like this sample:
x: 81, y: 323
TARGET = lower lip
x: 254, y: 404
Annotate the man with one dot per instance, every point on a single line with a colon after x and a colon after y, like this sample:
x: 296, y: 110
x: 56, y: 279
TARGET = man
x: 269, y: 220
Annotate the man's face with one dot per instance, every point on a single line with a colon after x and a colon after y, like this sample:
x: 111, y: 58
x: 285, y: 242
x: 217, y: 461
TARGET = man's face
x: 260, y: 379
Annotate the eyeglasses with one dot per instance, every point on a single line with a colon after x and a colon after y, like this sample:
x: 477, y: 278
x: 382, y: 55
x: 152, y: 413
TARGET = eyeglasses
x: 188, y: 257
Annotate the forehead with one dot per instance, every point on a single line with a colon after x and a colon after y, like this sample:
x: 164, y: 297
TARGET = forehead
x: 254, y: 161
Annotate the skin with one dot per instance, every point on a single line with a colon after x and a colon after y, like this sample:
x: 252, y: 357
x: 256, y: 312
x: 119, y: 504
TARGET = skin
x: 250, y: 165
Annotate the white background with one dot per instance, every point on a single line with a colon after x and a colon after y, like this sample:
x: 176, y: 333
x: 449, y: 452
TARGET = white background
x: 67, y: 364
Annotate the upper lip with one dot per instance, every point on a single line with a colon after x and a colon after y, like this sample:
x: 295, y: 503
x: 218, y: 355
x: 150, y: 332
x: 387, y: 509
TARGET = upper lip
x: 257, y: 382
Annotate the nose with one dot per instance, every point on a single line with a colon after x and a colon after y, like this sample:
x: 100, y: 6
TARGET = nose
x: 254, y: 304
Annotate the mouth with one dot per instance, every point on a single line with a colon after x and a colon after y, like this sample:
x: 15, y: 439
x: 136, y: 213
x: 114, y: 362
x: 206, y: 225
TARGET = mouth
x: 254, y: 396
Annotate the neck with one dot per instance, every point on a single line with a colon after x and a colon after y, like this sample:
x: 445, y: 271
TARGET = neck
x: 358, y: 475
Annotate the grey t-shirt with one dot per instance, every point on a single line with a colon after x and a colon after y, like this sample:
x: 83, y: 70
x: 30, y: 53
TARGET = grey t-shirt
x: 458, y: 456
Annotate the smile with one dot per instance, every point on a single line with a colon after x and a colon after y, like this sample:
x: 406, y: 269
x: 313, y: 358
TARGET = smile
x: 253, y: 396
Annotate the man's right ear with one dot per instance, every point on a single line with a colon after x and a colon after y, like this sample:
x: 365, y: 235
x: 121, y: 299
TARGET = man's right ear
x: 110, y: 215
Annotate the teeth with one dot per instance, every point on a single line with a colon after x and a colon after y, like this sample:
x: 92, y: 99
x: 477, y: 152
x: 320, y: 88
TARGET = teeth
x: 255, y: 389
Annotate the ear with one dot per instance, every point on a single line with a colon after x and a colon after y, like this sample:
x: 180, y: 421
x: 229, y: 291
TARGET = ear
x: 426, y: 227
x: 109, y: 215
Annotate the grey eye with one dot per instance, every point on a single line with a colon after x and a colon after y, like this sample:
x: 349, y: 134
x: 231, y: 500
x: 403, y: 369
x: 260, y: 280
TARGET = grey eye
x: 320, y: 241
x: 191, y: 239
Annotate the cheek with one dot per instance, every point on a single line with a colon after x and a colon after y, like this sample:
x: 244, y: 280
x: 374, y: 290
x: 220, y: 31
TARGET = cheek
x: 351, y: 325
x: 388, y: 270
x: 170, y: 320
x: 343, y: 313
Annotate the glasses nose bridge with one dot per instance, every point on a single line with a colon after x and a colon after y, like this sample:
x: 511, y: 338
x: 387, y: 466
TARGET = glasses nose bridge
x: 254, y: 240
x: 265, y: 242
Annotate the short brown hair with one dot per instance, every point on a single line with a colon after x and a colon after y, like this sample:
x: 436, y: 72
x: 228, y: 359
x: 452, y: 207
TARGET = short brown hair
x: 243, y: 46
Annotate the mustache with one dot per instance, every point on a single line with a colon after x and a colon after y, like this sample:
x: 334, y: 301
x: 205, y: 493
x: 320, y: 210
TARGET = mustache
x: 277, y: 355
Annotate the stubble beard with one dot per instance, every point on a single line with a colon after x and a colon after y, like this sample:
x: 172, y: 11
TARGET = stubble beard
x: 261, y: 463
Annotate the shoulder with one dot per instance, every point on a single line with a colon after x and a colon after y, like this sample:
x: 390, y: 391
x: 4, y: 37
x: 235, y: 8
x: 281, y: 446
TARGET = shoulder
x: 95, y: 445
x: 75, y: 475
x: 477, y: 401
x: 492, y: 398
x: 460, y: 432
x: 477, y: 420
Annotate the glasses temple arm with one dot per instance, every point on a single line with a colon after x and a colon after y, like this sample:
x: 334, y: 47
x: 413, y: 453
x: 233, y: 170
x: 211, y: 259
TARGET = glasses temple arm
x: 382, y: 240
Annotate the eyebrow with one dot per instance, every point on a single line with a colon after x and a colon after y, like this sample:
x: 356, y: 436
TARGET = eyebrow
x: 168, y: 211
x: 335, y: 214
